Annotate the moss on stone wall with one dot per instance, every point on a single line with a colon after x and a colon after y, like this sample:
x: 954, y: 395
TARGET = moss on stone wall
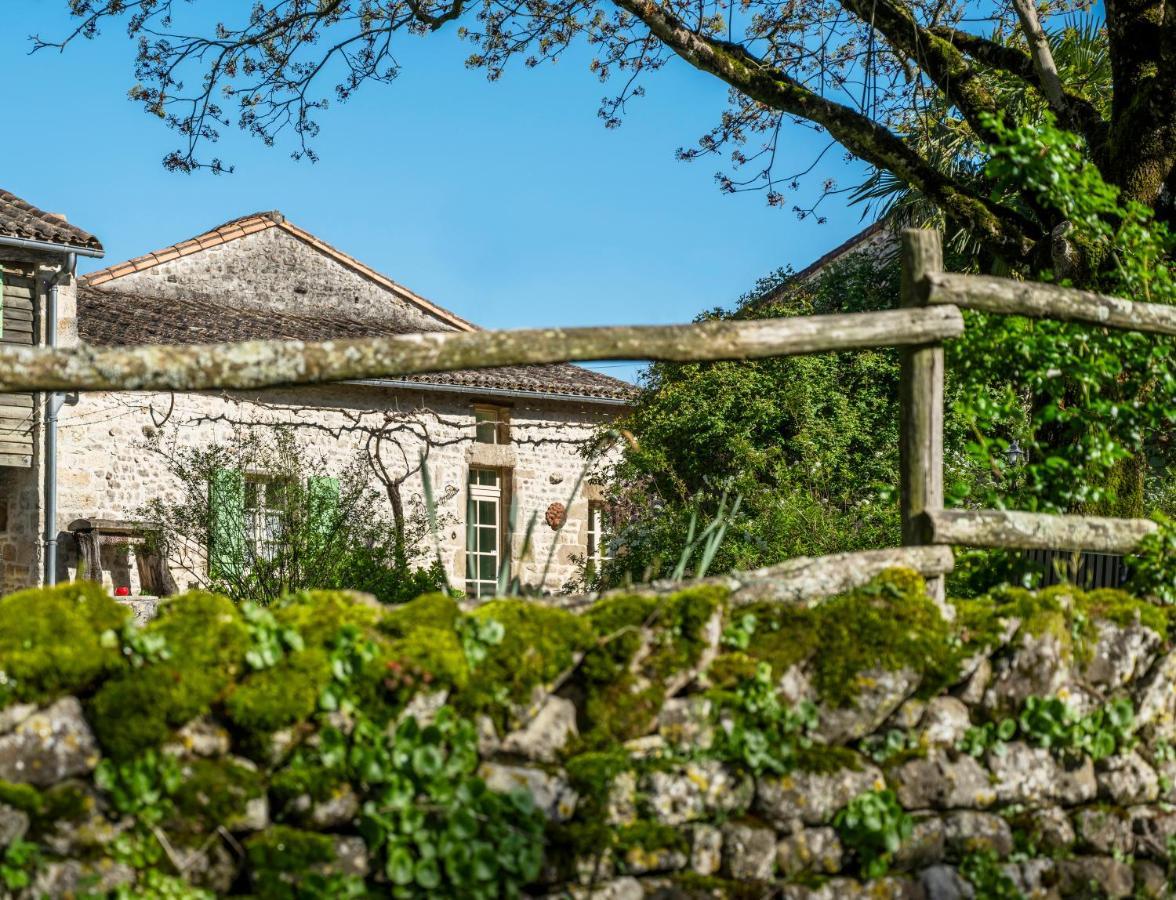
x: 58, y: 641
x: 316, y: 718
x: 888, y: 624
x: 205, y: 641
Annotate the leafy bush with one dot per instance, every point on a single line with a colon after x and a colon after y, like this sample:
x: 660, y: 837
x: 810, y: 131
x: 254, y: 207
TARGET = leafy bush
x: 873, y: 825
x: 756, y: 730
x: 1153, y: 567
x: 437, y: 828
x: 1050, y: 723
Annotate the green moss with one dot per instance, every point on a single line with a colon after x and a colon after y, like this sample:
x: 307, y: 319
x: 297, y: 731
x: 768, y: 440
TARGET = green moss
x: 22, y: 796
x: 431, y: 610
x: 827, y: 759
x: 319, y: 615
x: 592, y: 774
x: 316, y: 782
x: 676, y: 622
x: 1062, y: 611
x: 691, y: 886
x: 68, y: 801
x: 437, y: 651
x: 279, y: 696
x: 59, y: 640
x: 1123, y: 609
x: 206, y: 641
x: 729, y: 669
x: 617, y: 623
x: 539, y: 644
x: 888, y: 624
x: 214, y: 793
x: 647, y: 835
x: 620, y: 712
x: 280, y: 854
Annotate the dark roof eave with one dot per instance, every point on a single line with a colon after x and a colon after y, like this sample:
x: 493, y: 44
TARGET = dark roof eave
x: 50, y: 246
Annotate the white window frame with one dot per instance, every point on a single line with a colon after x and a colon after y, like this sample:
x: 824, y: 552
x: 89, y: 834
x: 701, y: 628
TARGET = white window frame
x: 491, y: 422
x: 599, y: 539
x: 483, y: 498
x: 265, y: 521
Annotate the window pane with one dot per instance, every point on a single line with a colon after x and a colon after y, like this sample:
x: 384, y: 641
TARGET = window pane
x: 487, y: 433
x: 488, y: 567
x: 488, y: 540
x: 487, y: 512
x: 471, y: 566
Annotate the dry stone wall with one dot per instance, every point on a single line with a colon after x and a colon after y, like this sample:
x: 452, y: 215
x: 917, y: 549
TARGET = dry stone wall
x: 653, y: 745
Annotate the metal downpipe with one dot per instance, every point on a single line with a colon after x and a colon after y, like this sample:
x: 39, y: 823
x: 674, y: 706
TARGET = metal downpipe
x: 53, y: 401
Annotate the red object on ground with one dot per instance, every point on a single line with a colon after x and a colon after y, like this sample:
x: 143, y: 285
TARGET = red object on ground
x: 122, y: 591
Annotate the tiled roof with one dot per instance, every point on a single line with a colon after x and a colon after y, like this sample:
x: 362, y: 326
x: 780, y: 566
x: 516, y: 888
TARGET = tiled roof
x: 117, y: 318
x: 20, y: 219
x: 246, y: 225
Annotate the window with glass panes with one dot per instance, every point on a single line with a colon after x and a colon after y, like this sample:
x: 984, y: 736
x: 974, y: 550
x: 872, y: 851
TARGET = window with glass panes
x: 266, y: 509
x: 483, y: 532
x: 598, y: 534
x: 491, y: 425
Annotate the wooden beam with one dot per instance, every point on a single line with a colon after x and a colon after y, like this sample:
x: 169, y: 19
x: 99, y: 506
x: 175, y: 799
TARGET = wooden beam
x: 920, y: 397
x: 258, y: 364
x: 1034, y: 531
x: 1047, y: 301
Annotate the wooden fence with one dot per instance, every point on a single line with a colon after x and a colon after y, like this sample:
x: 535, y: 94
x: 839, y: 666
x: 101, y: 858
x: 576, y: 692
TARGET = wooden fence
x: 929, y: 315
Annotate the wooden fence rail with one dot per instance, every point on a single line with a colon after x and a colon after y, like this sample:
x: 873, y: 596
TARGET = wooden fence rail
x: 1046, y: 301
x: 258, y: 364
x: 929, y: 316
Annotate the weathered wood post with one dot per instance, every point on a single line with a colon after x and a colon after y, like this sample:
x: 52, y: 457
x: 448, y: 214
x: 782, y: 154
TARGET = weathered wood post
x: 920, y: 396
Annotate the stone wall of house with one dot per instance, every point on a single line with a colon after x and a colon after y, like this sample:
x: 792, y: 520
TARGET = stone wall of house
x: 277, y: 270
x: 110, y: 470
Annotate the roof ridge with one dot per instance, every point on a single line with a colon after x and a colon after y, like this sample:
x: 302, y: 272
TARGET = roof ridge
x: 243, y: 226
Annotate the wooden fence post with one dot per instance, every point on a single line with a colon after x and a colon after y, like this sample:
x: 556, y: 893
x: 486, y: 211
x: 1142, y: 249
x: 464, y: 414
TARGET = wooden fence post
x: 920, y: 404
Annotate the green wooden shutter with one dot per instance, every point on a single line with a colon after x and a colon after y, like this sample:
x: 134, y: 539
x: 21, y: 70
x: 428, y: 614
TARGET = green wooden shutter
x: 226, y: 531
x: 323, y: 493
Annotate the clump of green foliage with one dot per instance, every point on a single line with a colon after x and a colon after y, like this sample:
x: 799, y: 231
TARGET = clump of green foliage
x: 58, y: 641
x: 1096, y: 431
x: 437, y: 828
x: 1153, y: 565
x: 1050, y: 723
x: 331, y: 532
x: 808, y: 444
x: 756, y: 730
x: 291, y: 864
x: 982, y: 870
x: 873, y: 825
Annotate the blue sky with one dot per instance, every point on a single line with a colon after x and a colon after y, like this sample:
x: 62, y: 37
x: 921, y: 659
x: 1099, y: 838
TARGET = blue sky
x: 509, y: 203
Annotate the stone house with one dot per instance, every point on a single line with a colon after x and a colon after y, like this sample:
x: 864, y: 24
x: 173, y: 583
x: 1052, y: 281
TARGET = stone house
x: 495, y: 440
